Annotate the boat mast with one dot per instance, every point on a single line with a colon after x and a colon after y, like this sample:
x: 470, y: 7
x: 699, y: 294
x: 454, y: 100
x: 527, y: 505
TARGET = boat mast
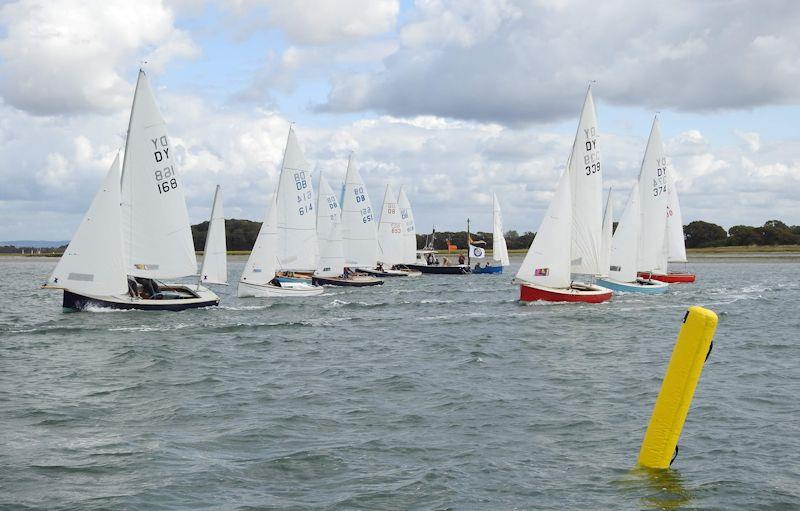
x: 469, y: 247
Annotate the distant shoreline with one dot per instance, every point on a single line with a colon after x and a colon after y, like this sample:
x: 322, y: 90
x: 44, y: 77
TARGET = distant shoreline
x: 751, y: 250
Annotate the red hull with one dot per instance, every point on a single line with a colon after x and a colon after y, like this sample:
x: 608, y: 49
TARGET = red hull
x: 533, y: 294
x: 670, y: 278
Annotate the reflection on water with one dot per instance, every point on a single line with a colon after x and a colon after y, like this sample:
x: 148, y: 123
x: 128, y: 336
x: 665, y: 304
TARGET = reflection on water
x: 658, y: 488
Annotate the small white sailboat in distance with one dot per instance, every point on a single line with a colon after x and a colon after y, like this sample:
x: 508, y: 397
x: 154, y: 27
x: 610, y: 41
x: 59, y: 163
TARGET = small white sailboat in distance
x: 410, y: 228
x: 136, y: 230
x: 215, y: 254
x: 499, y: 248
x: 676, y: 242
x: 569, y: 237
x: 287, y: 241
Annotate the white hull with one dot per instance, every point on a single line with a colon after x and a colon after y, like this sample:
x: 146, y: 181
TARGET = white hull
x: 285, y: 289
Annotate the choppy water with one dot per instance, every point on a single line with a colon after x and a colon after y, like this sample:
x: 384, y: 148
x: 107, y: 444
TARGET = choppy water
x: 431, y: 393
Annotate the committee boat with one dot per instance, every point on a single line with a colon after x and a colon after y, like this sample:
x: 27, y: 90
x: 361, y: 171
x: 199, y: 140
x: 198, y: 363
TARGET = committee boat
x: 136, y: 231
x: 429, y: 262
x: 569, y: 237
x: 285, y: 252
x: 499, y: 248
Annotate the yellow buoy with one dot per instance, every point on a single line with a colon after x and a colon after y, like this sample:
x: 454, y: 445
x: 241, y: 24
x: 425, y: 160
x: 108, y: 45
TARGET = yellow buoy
x: 683, y: 372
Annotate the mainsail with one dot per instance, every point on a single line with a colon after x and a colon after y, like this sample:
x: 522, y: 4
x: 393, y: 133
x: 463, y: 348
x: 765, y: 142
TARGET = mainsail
x: 587, y: 193
x: 676, y: 239
x: 156, y: 236
x: 358, y: 222
x: 390, y: 231
x: 499, y: 249
x: 297, y: 231
x: 93, y: 262
x: 653, y: 192
x: 410, y: 230
x: 215, y: 253
x: 329, y: 232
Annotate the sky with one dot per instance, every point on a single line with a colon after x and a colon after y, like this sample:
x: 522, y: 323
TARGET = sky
x: 452, y: 99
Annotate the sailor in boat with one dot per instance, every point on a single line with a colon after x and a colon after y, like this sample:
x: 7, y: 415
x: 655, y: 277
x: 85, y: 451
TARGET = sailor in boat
x: 430, y: 260
x: 461, y: 259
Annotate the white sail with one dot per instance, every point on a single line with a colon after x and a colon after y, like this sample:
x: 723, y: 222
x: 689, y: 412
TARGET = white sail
x: 215, y: 253
x: 390, y: 231
x: 587, y: 193
x: 297, y: 224
x: 625, y: 243
x: 653, y: 193
x: 358, y: 222
x: 157, y: 238
x: 499, y: 248
x: 262, y: 263
x: 676, y: 239
x: 608, y: 230
x: 547, y: 261
x: 93, y: 262
x: 329, y: 232
x: 410, y: 229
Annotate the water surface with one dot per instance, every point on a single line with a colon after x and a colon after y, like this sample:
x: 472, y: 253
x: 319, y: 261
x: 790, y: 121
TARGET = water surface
x: 440, y: 392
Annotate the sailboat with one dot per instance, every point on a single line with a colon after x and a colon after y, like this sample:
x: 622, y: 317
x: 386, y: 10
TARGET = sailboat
x: 391, y: 240
x: 569, y: 237
x: 136, y: 230
x: 409, y: 229
x: 359, y: 230
x: 330, y: 269
x: 624, y: 251
x: 676, y: 247
x: 654, y: 191
x: 499, y: 249
x: 214, y: 269
x: 286, y: 248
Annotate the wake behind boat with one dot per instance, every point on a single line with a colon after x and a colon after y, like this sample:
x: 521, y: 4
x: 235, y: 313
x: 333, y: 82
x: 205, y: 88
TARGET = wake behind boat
x: 136, y: 231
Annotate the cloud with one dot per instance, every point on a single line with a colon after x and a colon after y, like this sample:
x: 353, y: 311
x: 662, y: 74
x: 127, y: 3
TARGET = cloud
x: 68, y: 57
x: 523, y: 62
x: 319, y: 22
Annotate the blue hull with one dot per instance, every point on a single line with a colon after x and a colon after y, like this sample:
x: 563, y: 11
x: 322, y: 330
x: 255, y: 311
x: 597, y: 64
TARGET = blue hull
x: 656, y: 288
x: 490, y: 269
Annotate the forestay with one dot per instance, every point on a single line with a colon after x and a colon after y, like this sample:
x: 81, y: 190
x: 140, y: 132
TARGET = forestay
x: 390, y: 230
x: 358, y: 222
x: 410, y: 229
x: 297, y: 230
x: 606, y: 236
x: 587, y: 193
x: 93, y: 262
x: 262, y: 263
x: 329, y: 232
x: 653, y: 193
x: 215, y: 253
x: 625, y: 243
x: 499, y: 248
x: 547, y: 261
x: 157, y: 238
x: 676, y: 239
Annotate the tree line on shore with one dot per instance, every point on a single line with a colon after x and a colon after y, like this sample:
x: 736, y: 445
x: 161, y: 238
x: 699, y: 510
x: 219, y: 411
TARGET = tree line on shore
x: 241, y: 235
